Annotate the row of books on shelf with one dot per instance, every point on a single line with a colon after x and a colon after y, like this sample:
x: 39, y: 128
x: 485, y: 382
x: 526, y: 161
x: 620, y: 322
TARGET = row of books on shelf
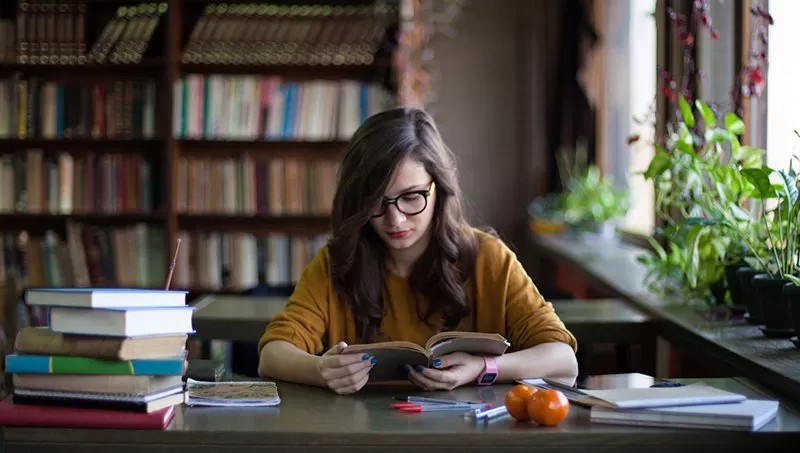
x: 248, y: 186
x: 35, y: 107
x: 126, y: 37
x: 241, y: 261
x: 134, y: 256
x: 86, y: 256
x: 268, y: 108
x: 105, y: 359
x: 35, y: 182
x: 283, y: 34
x: 50, y: 32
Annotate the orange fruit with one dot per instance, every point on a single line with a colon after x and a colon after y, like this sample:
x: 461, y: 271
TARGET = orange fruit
x: 548, y: 407
x: 517, y: 401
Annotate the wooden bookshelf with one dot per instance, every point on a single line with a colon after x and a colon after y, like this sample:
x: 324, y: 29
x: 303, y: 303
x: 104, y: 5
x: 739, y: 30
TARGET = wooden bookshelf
x: 164, y: 61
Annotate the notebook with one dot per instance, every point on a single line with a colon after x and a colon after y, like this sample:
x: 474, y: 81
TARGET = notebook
x: 232, y: 393
x: 748, y: 415
x: 634, y: 398
x: 105, y: 297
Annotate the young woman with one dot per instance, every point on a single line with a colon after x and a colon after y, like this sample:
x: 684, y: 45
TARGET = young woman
x: 403, y: 264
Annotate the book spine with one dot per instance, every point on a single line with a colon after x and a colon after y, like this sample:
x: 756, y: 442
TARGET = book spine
x: 40, y: 364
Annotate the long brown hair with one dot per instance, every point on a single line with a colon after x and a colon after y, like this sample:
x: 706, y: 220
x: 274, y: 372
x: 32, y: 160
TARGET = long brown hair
x: 357, y: 253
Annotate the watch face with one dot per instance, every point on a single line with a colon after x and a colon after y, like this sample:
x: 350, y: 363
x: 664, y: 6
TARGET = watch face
x: 488, y: 378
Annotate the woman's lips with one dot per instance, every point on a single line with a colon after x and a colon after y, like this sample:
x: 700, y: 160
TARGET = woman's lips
x: 398, y: 234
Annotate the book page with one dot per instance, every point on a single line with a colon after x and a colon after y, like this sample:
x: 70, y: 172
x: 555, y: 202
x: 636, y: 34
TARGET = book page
x: 470, y: 342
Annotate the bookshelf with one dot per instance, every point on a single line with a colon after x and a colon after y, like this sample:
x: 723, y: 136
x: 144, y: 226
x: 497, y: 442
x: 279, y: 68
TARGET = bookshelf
x: 127, y: 125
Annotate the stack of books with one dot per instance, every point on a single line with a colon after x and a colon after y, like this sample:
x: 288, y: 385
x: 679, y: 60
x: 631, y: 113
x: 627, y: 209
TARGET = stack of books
x: 110, y: 358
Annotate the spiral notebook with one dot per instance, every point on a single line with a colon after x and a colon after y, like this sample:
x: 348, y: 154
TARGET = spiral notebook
x: 232, y: 393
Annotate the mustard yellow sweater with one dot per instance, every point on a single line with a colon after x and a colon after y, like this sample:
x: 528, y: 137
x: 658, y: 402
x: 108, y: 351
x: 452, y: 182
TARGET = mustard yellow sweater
x: 504, y: 300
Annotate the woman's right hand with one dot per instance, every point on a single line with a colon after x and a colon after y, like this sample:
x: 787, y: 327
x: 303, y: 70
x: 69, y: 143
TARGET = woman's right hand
x: 345, y: 373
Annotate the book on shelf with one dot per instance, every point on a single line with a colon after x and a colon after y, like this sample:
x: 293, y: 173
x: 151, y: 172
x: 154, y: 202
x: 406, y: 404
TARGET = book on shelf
x: 747, y: 415
x: 98, y: 383
x: 105, y: 297
x: 138, y: 403
x: 122, y: 322
x: 12, y: 414
x: 44, y: 364
x: 645, y: 397
x: 43, y: 341
x: 232, y: 393
x: 392, y: 356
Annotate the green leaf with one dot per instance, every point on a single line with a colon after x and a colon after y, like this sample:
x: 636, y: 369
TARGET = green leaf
x: 660, y: 163
x: 717, y: 136
x: 739, y: 213
x: 759, y: 177
x: 686, y: 112
x: 749, y: 156
x: 702, y: 221
x: 693, y: 254
x: 792, y: 279
x: 789, y: 187
x: 734, y: 124
x: 708, y: 115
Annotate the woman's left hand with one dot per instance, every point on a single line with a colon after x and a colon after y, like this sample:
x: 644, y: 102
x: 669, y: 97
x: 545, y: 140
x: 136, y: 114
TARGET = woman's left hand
x: 449, y: 371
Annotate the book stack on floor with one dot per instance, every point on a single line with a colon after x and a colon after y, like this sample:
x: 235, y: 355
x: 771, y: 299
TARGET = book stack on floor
x: 110, y: 358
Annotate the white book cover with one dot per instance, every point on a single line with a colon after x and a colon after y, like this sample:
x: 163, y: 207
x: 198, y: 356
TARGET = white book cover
x: 685, y: 395
x: 748, y: 415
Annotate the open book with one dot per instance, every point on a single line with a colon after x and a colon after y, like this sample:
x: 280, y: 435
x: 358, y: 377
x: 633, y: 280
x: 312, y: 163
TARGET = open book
x: 393, y: 355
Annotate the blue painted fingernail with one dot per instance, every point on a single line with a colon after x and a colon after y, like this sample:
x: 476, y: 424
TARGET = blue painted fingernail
x: 407, y: 368
x: 365, y: 357
x: 437, y: 362
x: 374, y: 360
x: 419, y: 368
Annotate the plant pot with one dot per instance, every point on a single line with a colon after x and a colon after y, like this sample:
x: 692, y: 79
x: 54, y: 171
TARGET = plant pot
x: 733, y: 283
x: 718, y: 291
x: 777, y: 315
x: 755, y: 314
x: 792, y: 294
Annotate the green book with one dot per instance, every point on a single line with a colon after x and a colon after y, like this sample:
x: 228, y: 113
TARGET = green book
x: 55, y: 364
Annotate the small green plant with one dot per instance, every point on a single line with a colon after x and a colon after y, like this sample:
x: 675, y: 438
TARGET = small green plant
x: 589, y: 200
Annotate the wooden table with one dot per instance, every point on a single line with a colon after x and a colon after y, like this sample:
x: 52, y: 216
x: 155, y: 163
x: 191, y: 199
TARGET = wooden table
x: 317, y: 419
x: 611, y: 321
x: 234, y: 318
x: 243, y: 318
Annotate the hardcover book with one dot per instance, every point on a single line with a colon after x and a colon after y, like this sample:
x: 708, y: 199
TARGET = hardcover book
x: 12, y: 414
x: 41, y: 340
x: 43, y: 364
x: 392, y: 356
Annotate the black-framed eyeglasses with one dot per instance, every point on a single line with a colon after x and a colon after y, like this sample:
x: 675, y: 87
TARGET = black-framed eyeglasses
x: 409, y: 203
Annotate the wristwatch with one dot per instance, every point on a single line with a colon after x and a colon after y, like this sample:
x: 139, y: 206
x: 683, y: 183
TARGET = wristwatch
x: 489, y: 373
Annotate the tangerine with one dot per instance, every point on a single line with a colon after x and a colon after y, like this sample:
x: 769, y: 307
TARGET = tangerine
x: 517, y: 401
x: 548, y: 407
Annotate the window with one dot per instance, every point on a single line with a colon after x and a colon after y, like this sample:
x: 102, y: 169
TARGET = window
x: 629, y: 54
x: 783, y: 84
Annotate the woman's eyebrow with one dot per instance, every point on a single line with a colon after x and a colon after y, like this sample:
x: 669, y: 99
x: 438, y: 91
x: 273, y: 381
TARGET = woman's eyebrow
x: 413, y: 188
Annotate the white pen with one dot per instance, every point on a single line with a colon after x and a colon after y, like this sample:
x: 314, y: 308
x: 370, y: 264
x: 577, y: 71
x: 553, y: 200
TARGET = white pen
x: 487, y: 414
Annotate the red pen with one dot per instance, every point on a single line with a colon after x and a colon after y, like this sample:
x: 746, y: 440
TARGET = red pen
x: 441, y: 407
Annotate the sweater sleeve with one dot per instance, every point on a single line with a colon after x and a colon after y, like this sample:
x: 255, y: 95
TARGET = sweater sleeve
x: 530, y: 319
x: 304, y: 319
